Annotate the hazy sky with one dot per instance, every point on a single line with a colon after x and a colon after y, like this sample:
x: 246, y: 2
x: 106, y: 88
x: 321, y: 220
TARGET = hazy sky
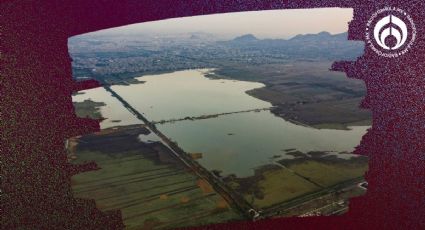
x: 263, y: 24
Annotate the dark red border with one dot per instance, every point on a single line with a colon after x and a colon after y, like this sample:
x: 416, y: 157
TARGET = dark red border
x: 37, y: 113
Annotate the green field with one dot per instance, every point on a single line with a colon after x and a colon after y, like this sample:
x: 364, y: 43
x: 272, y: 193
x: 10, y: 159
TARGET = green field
x: 291, y: 179
x: 154, y: 190
x: 150, y: 187
x: 304, y: 91
x: 328, y: 174
x: 280, y: 185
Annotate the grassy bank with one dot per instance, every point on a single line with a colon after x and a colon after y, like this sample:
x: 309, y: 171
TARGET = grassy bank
x: 305, y: 92
x: 88, y: 108
x: 289, y: 179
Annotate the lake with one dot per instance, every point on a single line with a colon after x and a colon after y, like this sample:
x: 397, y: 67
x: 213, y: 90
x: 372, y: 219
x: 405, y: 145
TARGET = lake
x: 234, y: 143
x: 113, y: 112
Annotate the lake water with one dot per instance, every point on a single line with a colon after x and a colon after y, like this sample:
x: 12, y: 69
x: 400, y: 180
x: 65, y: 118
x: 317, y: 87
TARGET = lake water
x: 188, y: 93
x: 235, y: 143
x: 113, y: 111
x: 255, y: 138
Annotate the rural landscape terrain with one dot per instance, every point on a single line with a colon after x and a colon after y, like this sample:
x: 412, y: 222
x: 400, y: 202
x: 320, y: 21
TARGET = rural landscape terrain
x: 160, y: 181
x: 295, y: 71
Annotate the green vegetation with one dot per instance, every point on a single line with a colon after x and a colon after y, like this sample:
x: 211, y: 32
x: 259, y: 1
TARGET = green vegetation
x: 304, y: 91
x: 297, y: 180
x: 152, y: 189
x: 88, y: 108
x: 329, y: 173
x: 278, y: 186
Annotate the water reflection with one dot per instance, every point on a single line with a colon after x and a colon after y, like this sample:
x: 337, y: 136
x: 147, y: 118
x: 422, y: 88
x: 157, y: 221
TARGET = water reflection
x: 188, y: 93
x: 113, y: 112
x: 245, y: 140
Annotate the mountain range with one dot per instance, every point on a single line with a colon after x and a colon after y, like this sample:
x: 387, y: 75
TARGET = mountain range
x: 319, y: 45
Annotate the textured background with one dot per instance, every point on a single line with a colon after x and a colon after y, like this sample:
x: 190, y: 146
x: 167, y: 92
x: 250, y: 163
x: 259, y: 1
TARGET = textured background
x: 37, y: 114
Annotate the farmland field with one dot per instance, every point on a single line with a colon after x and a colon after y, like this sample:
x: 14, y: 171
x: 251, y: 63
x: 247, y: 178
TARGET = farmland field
x: 143, y: 180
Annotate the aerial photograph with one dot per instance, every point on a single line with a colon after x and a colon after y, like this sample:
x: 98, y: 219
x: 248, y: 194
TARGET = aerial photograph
x: 220, y: 118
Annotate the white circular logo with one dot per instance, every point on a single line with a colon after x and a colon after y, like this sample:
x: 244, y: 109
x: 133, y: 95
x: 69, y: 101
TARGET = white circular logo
x: 390, y: 32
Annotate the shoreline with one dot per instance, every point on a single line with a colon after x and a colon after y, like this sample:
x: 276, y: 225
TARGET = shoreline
x: 276, y: 107
x: 289, y: 111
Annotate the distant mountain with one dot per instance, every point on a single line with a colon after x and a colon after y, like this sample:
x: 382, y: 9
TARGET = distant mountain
x: 320, y: 45
x: 245, y: 38
x: 322, y: 36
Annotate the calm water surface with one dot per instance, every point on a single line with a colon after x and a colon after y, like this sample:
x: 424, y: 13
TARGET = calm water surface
x: 113, y: 111
x: 235, y: 143
x: 188, y: 93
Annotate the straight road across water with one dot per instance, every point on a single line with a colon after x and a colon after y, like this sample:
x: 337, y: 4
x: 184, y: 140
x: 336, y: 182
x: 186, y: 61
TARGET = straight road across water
x: 229, y: 195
